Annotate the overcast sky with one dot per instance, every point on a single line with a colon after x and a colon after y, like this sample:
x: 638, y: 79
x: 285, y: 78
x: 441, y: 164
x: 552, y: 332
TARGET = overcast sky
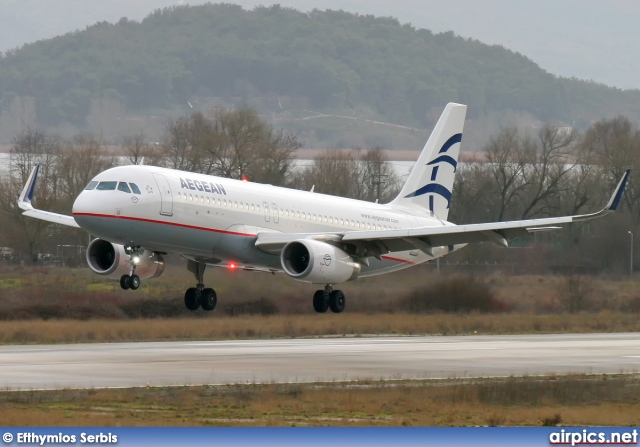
x: 590, y: 39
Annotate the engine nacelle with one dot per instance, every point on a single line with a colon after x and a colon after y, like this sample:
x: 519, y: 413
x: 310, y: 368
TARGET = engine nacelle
x: 110, y: 260
x: 318, y: 262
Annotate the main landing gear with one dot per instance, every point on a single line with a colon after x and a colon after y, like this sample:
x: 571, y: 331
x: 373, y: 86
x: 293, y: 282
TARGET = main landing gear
x: 199, y: 296
x: 329, y: 299
x: 131, y: 281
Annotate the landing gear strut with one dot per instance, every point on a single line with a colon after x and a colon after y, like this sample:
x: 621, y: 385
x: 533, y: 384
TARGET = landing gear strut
x: 131, y: 281
x: 329, y: 299
x: 198, y: 296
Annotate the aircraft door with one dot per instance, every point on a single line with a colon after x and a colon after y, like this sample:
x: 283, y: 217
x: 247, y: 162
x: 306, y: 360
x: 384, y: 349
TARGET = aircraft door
x: 166, y: 197
x: 266, y: 211
x: 274, y: 212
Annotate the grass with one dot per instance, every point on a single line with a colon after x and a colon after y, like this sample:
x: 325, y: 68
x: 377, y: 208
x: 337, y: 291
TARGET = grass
x: 226, y: 327
x: 531, y: 401
x: 53, y: 305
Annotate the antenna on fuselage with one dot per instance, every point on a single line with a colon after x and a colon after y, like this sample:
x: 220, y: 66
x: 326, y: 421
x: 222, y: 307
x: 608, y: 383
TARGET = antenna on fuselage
x: 312, y: 188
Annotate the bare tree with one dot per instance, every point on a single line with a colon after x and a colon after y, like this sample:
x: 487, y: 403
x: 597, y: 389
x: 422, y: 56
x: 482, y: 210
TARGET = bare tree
x: 507, y: 159
x: 137, y: 150
x: 548, y: 165
x: 233, y: 144
x: 356, y: 174
x: 80, y: 161
x: 617, y: 145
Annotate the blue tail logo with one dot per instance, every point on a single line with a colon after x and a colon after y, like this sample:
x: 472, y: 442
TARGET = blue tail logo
x: 434, y: 187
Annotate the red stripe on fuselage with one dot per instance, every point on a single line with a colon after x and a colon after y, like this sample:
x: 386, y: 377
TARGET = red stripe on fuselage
x: 162, y: 222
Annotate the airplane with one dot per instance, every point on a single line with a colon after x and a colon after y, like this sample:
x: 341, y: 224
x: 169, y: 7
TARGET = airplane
x: 141, y: 213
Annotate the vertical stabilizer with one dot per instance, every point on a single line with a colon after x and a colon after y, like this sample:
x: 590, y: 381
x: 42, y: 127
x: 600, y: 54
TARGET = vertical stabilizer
x: 431, y: 180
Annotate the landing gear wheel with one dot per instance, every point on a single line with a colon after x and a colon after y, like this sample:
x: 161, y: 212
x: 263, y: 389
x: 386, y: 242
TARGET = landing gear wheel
x: 320, y: 301
x: 336, y: 301
x: 125, y: 282
x: 208, y: 299
x: 192, y: 298
x: 134, y: 282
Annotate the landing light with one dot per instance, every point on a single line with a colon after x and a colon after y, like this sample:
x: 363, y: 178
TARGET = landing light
x: 136, y: 260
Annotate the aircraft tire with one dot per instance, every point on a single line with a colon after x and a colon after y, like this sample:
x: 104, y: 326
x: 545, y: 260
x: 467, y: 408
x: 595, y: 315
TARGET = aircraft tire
x: 134, y: 282
x: 337, y: 301
x: 125, y: 282
x: 191, y: 299
x: 208, y: 299
x: 320, y: 302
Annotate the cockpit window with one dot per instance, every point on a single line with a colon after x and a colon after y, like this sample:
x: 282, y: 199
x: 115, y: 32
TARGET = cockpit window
x: 122, y: 186
x: 134, y: 188
x: 106, y: 186
x: 91, y: 185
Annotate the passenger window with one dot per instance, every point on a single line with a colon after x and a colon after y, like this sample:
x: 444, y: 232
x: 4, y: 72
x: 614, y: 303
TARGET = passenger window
x: 107, y: 186
x: 122, y: 186
x: 134, y: 188
x: 91, y: 185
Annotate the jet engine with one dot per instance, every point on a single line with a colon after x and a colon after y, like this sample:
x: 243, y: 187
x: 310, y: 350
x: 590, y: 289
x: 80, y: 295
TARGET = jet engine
x: 110, y: 260
x: 317, y: 262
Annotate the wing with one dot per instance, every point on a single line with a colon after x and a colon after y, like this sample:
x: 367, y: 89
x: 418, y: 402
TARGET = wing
x: 24, y: 203
x: 378, y: 242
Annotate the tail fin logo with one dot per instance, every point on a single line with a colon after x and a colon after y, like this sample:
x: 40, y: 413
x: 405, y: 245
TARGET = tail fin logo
x: 434, y: 187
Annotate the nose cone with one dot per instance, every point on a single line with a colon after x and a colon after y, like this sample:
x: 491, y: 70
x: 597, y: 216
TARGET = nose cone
x: 82, y: 205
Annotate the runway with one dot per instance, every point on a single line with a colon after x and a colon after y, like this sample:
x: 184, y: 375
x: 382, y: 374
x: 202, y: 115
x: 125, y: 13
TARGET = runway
x: 310, y: 360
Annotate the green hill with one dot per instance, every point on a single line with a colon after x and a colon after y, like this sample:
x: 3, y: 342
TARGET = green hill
x: 286, y: 62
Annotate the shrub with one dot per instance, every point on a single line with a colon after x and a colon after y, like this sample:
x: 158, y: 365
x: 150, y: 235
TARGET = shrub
x: 456, y: 293
x: 576, y: 293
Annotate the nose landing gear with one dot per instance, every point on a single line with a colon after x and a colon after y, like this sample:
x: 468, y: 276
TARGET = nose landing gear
x: 131, y: 281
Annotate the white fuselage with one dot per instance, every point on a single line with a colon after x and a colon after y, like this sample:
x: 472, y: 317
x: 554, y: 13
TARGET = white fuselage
x: 214, y: 220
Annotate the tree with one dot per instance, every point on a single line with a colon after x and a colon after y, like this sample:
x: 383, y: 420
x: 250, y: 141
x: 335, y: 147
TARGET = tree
x: 547, y: 166
x: 356, y: 174
x: 231, y: 143
x: 617, y: 145
x: 31, y: 146
x: 507, y: 159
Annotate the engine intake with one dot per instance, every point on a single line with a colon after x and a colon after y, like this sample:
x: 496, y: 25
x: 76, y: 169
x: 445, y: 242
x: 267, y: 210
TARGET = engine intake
x: 317, y: 262
x: 110, y: 260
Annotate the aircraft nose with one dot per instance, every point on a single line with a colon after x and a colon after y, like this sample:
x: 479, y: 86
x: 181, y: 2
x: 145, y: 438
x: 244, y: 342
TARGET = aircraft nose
x: 82, y: 204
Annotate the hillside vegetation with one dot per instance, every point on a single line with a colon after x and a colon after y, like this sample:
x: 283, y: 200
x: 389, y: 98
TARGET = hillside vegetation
x: 285, y: 62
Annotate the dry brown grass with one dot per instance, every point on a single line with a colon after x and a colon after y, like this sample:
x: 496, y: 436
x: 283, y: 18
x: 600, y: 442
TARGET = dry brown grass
x: 51, y: 305
x: 276, y: 326
x: 586, y: 400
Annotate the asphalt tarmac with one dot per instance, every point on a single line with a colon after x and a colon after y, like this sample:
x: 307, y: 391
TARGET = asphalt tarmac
x: 311, y: 360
